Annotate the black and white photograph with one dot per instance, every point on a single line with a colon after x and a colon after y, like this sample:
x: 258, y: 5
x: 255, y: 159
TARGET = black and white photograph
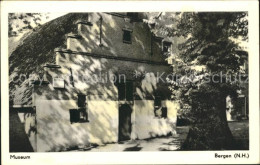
x: 131, y: 82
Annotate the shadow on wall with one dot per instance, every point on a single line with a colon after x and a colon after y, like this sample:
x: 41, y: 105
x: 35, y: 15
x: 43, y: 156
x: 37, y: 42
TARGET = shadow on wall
x: 18, y: 139
x: 30, y: 57
x: 35, y: 51
x: 110, y: 42
x: 55, y: 132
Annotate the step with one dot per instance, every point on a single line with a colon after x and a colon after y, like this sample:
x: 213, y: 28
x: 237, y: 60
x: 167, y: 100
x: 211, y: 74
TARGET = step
x: 52, y: 66
x: 76, y: 36
x: 84, y: 23
x: 40, y: 82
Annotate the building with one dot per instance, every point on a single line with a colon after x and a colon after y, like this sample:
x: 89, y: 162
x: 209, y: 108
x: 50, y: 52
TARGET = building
x: 91, y: 78
x: 238, y: 108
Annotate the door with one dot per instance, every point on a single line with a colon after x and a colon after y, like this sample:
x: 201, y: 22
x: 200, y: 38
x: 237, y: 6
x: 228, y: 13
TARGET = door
x: 125, y: 98
x: 125, y: 126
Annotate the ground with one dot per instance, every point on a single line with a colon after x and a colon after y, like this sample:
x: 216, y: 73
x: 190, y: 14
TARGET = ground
x: 239, y: 129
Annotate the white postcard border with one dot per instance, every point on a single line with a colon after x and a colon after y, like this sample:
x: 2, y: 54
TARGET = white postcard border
x: 178, y: 157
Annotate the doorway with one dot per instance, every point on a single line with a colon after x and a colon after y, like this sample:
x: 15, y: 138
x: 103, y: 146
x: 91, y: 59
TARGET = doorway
x: 125, y: 126
x: 125, y: 98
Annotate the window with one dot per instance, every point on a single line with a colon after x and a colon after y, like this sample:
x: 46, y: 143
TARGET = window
x: 164, y: 112
x: 127, y: 36
x: 83, y: 116
x: 166, y: 48
x: 81, y: 101
x: 79, y: 115
x: 159, y: 111
x: 125, y: 91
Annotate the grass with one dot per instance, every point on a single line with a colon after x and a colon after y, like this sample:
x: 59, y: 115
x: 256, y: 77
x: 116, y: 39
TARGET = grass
x: 239, y: 129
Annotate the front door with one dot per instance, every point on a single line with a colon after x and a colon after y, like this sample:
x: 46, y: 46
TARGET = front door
x: 125, y: 98
x: 125, y: 126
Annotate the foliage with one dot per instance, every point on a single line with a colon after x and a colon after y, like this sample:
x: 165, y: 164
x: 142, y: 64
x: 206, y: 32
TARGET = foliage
x: 209, y: 44
x: 20, y: 22
x: 207, y: 63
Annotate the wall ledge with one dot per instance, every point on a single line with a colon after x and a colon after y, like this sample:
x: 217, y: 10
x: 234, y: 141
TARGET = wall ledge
x: 112, y: 57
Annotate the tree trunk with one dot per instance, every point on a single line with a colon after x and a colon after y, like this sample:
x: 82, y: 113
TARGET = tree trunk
x: 211, y: 131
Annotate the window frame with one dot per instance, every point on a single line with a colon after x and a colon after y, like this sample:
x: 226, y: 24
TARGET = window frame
x: 80, y: 114
x: 159, y: 111
x: 169, y: 46
x: 130, y: 35
x: 76, y: 115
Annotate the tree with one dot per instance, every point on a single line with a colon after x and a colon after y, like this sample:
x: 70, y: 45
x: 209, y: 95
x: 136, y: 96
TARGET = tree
x: 207, y: 67
x: 20, y: 22
x: 210, y: 43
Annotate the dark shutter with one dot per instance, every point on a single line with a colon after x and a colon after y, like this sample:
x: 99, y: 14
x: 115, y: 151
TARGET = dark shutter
x: 74, y: 115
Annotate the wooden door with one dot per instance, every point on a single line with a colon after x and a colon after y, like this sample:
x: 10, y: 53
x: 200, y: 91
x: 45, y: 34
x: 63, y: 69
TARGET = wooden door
x: 125, y: 126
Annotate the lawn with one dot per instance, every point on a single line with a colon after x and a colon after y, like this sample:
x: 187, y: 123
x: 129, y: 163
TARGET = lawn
x: 239, y: 129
